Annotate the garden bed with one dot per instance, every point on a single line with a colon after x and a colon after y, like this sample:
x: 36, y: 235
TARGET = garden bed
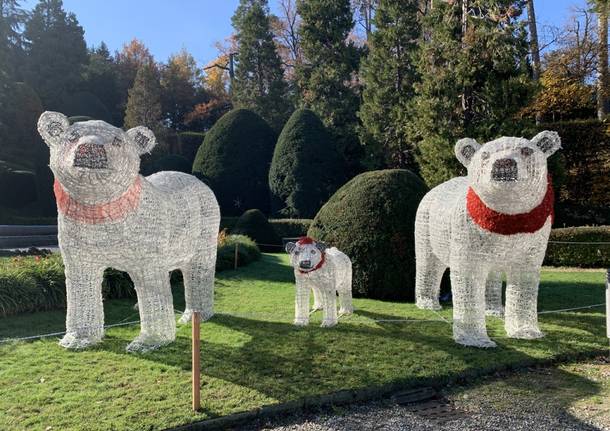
x: 253, y: 356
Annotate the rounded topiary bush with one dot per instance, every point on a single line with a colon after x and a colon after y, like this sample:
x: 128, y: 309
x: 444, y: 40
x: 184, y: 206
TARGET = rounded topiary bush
x: 17, y: 187
x: 254, y: 224
x: 235, y: 158
x: 190, y: 143
x: 306, y: 166
x: 372, y: 220
x: 85, y: 104
x: 173, y: 162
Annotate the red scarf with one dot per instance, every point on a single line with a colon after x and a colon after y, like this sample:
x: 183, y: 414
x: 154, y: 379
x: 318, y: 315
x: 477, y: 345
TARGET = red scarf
x: 510, y: 224
x: 98, y: 213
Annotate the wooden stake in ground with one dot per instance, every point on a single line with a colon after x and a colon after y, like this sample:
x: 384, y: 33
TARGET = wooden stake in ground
x: 236, y: 254
x: 196, y: 364
x: 608, y: 306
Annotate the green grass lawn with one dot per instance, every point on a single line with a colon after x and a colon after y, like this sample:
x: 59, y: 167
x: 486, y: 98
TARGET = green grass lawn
x: 252, y: 355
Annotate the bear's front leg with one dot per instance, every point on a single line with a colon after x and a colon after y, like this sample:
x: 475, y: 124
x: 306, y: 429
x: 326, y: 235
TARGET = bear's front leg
x: 301, y: 303
x: 317, y: 299
x: 85, y: 313
x: 158, y: 325
x: 521, y: 319
x: 468, y: 288
x: 493, y: 295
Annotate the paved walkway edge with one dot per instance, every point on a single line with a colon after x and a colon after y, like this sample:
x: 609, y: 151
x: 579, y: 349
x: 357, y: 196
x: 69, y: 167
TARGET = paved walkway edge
x: 351, y: 396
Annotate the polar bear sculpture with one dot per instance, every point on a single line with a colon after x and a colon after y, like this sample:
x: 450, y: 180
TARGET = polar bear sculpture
x: 110, y: 216
x: 327, y: 272
x: 496, y: 220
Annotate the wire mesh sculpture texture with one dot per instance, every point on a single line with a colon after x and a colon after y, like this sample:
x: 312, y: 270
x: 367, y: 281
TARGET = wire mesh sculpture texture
x: 327, y: 272
x: 494, y: 221
x: 109, y: 216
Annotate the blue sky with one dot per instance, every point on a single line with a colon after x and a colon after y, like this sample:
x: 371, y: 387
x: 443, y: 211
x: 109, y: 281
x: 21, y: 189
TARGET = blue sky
x: 165, y: 26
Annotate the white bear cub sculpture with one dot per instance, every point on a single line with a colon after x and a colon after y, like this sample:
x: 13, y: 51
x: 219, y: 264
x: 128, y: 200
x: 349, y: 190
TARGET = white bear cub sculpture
x: 111, y: 216
x: 327, y: 272
x: 496, y: 220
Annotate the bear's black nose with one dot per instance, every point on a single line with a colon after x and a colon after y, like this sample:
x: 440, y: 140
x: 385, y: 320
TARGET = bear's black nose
x: 92, y: 156
x: 305, y: 264
x: 504, y: 170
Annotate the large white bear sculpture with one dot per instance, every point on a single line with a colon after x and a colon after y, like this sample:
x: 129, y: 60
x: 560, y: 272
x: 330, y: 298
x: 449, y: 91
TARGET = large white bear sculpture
x: 496, y: 220
x: 111, y: 216
x: 326, y: 271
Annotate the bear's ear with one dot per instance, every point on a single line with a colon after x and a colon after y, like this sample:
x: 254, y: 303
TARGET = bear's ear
x: 51, y: 125
x: 290, y: 247
x: 548, y: 142
x: 465, y: 149
x: 321, y: 246
x: 143, y: 138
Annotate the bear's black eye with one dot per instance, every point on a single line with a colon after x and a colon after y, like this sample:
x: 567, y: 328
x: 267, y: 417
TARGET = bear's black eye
x: 296, y: 253
x: 313, y: 252
x: 527, y: 151
x: 117, y: 142
x: 73, y: 136
x: 484, y: 155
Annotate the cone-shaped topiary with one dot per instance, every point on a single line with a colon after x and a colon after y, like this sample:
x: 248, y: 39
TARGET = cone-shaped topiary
x: 372, y: 220
x: 306, y: 168
x: 235, y: 158
x: 254, y: 224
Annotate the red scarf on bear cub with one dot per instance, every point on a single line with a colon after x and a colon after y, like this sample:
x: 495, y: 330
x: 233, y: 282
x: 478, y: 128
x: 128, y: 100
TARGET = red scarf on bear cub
x: 98, y: 213
x: 510, y: 224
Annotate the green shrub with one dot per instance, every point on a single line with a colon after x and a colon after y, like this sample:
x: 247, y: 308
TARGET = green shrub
x: 17, y: 187
x: 304, y: 168
x: 235, y: 158
x: 254, y: 224
x: 247, y: 252
x: 563, y: 249
x: 173, y: 162
x: 291, y: 227
x: 372, y: 220
x: 190, y: 143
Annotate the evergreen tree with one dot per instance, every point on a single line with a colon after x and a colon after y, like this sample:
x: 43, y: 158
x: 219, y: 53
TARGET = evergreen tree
x: 259, y: 79
x: 389, y: 73
x: 56, y: 52
x: 12, y: 17
x: 326, y: 74
x: 101, y: 80
x: 144, y: 102
x: 474, y: 80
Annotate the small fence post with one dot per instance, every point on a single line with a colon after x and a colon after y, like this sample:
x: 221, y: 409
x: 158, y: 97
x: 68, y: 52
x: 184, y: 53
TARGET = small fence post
x: 608, y: 309
x: 236, y: 253
x: 196, y: 361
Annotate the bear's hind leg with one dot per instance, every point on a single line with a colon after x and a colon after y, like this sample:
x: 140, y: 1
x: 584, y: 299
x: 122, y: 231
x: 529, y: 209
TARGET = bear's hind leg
x: 493, y: 295
x: 344, y: 288
x: 158, y: 324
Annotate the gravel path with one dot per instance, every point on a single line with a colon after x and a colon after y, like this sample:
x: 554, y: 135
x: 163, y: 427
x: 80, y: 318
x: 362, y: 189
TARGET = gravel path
x: 565, y: 398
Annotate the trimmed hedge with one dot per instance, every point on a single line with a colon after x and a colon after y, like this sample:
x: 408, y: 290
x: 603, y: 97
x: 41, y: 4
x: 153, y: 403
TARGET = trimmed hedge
x: 304, y: 168
x: 37, y: 283
x: 17, y: 187
x: 579, y: 255
x: 291, y: 228
x: 235, y: 158
x: 254, y: 224
x: 173, y: 162
x: 372, y: 220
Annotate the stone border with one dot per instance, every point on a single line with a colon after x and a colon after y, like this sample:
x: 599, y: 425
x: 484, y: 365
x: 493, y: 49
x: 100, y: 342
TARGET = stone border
x: 352, y: 396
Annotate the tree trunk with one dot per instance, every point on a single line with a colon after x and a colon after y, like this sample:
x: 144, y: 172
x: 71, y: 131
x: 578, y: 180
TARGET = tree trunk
x: 534, y: 47
x: 602, y: 67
